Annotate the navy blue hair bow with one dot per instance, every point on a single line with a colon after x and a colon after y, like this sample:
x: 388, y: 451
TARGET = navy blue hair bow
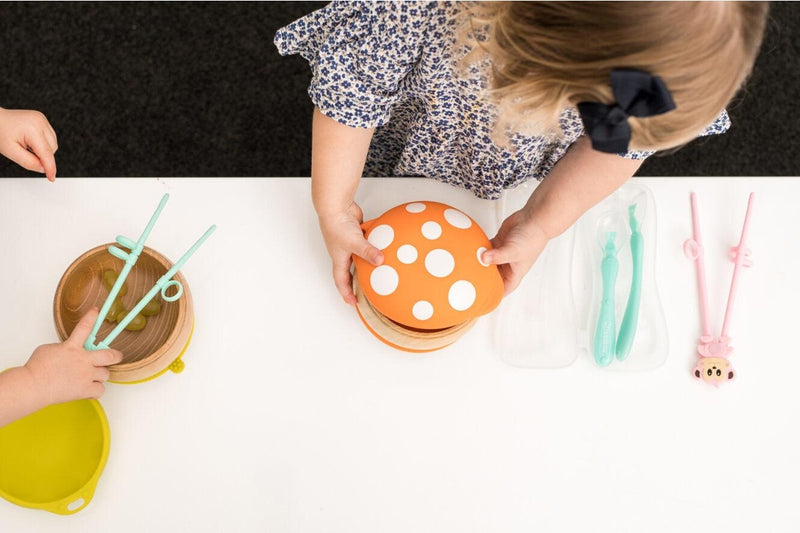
x: 638, y: 94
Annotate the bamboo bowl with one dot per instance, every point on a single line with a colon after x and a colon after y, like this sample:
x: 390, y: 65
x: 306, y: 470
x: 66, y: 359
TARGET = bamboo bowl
x: 147, y: 353
x: 402, y: 337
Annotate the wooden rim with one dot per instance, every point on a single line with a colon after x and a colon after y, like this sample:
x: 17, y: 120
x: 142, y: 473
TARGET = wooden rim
x: 403, y: 338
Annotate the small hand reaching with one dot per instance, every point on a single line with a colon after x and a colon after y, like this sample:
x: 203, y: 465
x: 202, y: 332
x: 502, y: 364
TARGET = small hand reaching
x: 344, y: 237
x: 517, y: 245
x: 66, y: 371
x: 28, y: 139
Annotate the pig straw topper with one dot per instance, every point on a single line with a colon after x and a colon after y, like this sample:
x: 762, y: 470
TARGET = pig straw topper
x: 713, y: 366
x: 130, y: 258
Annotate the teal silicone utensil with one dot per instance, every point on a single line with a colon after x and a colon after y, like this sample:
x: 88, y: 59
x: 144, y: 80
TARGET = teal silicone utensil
x: 130, y: 259
x: 162, y: 285
x: 605, y: 337
x: 627, y: 331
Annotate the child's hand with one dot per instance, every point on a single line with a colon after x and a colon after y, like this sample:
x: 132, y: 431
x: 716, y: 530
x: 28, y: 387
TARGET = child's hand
x: 517, y: 245
x: 65, y: 372
x: 343, y: 238
x: 27, y: 138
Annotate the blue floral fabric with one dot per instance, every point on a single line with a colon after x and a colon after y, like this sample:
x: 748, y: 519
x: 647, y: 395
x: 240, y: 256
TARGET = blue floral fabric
x: 392, y: 66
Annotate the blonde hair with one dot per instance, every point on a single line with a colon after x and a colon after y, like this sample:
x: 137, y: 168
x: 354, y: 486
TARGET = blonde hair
x: 547, y: 56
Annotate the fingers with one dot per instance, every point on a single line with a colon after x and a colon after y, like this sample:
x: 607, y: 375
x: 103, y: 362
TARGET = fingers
x: 95, y: 389
x: 344, y: 281
x: 369, y: 253
x: 83, y: 328
x: 101, y: 374
x: 103, y: 358
x: 357, y: 212
x: 341, y: 273
x: 511, y: 278
x: 45, y: 152
x: 50, y: 136
x: 511, y: 282
x: 510, y: 286
x: 500, y: 256
x: 24, y: 158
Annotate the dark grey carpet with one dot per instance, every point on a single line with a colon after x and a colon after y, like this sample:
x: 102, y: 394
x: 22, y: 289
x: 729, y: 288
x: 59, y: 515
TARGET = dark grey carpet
x: 197, y: 89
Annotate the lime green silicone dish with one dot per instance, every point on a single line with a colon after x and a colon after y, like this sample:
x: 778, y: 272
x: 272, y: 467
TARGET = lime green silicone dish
x: 53, y: 458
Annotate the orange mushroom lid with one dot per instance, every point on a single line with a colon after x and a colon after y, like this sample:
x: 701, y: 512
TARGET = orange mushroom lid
x: 432, y: 276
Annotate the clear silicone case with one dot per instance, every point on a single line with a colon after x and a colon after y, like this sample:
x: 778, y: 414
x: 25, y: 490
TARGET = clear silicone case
x: 552, y: 317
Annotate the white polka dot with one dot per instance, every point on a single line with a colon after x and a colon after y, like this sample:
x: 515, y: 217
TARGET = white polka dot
x: 422, y: 310
x: 457, y: 218
x: 416, y: 207
x: 384, y: 280
x: 461, y: 295
x: 407, y: 254
x: 439, y: 263
x: 381, y: 236
x: 431, y: 230
x: 480, y: 256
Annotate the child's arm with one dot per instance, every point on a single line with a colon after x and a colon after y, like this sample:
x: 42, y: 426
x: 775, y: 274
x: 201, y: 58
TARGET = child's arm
x: 56, y: 373
x: 577, y: 182
x: 338, y: 153
x: 27, y: 138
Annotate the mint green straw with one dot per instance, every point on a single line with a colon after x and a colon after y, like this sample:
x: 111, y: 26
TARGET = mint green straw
x: 163, y: 283
x: 627, y: 331
x: 130, y: 260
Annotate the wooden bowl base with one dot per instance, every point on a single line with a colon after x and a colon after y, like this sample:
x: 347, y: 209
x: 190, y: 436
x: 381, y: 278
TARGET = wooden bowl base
x: 401, y: 337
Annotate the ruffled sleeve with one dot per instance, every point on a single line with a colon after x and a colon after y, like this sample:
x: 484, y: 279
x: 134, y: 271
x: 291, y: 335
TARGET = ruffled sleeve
x: 360, y: 54
x: 720, y: 125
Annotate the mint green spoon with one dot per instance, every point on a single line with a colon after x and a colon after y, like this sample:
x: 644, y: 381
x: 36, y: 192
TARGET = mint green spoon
x: 605, y: 337
x: 627, y: 331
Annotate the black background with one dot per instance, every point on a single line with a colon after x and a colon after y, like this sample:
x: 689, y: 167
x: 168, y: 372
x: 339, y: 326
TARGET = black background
x: 198, y: 89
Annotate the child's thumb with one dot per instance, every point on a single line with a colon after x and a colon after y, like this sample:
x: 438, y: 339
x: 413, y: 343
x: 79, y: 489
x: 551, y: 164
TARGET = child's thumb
x: 370, y: 253
x: 499, y: 256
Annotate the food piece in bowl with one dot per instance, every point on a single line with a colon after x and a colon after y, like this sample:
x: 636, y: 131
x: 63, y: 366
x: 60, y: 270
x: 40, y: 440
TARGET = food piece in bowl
x: 152, y: 308
x: 117, y: 311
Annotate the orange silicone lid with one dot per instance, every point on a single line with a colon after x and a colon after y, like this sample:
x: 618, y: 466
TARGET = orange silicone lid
x: 432, y: 276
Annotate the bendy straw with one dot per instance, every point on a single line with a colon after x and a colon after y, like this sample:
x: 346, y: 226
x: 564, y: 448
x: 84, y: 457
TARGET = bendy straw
x: 713, y: 366
x: 130, y: 259
x: 740, y: 255
x: 162, y: 285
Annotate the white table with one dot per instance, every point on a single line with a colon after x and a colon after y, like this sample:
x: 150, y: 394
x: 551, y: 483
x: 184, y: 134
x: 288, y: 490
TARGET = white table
x: 291, y: 417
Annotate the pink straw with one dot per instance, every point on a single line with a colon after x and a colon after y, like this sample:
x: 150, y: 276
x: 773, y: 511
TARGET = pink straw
x: 740, y: 255
x: 694, y: 249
